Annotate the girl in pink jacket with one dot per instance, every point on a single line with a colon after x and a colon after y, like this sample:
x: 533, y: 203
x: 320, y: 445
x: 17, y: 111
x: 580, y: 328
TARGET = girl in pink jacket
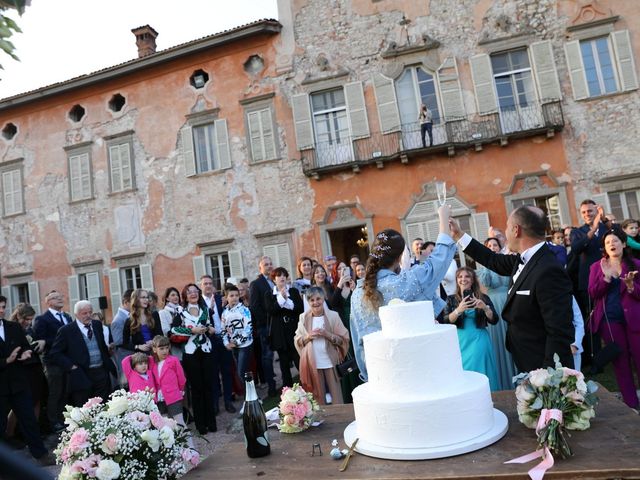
x: 136, y: 368
x: 170, y: 379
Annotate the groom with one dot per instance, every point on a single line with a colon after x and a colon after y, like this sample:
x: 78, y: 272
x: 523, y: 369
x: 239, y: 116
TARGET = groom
x: 538, y: 307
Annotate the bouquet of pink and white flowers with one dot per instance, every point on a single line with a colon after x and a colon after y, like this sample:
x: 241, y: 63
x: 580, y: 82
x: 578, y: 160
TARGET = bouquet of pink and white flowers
x: 123, y: 438
x: 554, y: 400
x: 297, y: 408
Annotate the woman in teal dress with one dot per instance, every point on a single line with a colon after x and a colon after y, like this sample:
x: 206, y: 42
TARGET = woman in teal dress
x: 470, y: 310
x: 497, y: 288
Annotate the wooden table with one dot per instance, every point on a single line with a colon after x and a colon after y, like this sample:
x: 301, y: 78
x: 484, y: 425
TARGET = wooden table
x: 609, y: 449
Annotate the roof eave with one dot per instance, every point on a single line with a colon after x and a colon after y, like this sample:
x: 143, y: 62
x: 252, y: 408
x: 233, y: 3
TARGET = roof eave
x: 264, y: 27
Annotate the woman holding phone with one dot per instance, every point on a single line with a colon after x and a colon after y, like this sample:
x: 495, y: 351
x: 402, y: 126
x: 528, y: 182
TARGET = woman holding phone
x: 471, y: 310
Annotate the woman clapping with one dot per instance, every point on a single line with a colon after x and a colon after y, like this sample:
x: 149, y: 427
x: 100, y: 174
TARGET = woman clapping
x: 614, y: 286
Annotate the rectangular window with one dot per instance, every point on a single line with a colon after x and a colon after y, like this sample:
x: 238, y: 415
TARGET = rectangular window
x: 12, y: 203
x: 80, y: 177
x: 331, y: 127
x: 261, y: 135
x: 204, y: 138
x: 131, y: 277
x: 625, y: 204
x: 219, y: 267
x: 19, y: 294
x: 598, y: 66
x: 120, y: 166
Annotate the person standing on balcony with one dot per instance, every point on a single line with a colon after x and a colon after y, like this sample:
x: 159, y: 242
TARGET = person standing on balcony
x: 426, y: 125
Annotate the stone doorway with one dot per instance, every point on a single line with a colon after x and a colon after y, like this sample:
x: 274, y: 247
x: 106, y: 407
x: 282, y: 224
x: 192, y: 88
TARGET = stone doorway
x: 350, y: 241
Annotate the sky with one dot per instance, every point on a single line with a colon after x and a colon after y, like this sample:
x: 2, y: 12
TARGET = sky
x: 62, y: 39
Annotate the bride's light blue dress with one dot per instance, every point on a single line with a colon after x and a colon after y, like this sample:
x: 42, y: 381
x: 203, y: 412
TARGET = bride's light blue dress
x: 476, y: 349
x: 497, y: 288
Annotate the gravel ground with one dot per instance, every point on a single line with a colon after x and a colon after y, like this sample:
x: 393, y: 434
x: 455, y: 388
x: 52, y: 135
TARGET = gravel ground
x: 229, y: 425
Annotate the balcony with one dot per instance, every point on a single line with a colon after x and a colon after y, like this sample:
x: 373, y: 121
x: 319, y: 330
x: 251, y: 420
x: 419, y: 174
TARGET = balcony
x: 449, y: 136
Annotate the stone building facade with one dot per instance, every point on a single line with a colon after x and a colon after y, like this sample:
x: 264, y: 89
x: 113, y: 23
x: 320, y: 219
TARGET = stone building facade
x: 301, y: 137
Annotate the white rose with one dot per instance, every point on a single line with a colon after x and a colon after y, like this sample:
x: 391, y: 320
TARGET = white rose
x: 76, y: 415
x: 65, y: 474
x: 166, y: 436
x: 151, y: 437
x: 290, y: 396
x: 538, y: 378
x: 581, y: 386
x: 107, y: 470
x: 117, y: 406
x: 523, y: 394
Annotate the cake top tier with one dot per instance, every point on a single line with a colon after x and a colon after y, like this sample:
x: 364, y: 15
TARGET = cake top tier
x: 406, y: 319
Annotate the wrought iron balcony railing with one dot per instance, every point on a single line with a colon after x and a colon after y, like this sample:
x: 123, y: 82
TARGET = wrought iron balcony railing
x: 449, y: 135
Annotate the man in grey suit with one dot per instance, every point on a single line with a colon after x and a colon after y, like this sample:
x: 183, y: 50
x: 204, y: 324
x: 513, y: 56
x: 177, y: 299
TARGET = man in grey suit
x: 117, y: 328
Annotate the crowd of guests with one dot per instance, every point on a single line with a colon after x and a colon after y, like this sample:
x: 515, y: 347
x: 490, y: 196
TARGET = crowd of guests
x: 193, y: 346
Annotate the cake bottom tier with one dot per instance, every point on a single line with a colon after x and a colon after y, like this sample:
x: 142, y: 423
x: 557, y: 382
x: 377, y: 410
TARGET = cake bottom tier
x: 413, y: 420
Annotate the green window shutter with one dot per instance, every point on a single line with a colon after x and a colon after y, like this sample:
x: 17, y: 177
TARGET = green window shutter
x: 222, y: 143
x: 199, y: 268
x: 624, y: 60
x: 388, y: 113
x: 450, y: 92
x: 75, y: 177
x: 576, y: 70
x: 284, y: 257
x: 12, y: 192
x: 482, y: 75
x: 34, y: 296
x: 272, y: 252
x: 115, y: 164
x: 188, y: 155
x: 544, y: 67
x: 235, y: 264
x: 125, y: 165
x: 74, y: 290
x: 415, y: 230
x: 432, y: 228
x: 268, y: 137
x: 302, y: 121
x: 480, y: 225
x: 357, y: 110
x: 85, y: 176
x: 146, y: 276
x: 94, y: 290
x: 255, y: 136
x: 115, y: 290
x: 602, y: 199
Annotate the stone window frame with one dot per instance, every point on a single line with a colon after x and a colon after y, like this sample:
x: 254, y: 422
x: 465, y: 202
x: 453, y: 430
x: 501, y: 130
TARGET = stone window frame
x: 202, y: 263
x: 74, y: 282
x: 618, y: 184
x: 116, y: 275
x: 255, y: 104
x: 539, y: 189
x: 348, y: 220
x: 78, y: 150
x: 16, y: 280
x: 603, y: 27
x: 223, y: 151
x: 124, y: 138
x: 13, y: 166
x: 279, y: 242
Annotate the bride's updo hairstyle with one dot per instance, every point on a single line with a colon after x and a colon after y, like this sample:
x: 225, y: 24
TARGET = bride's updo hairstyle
x: 387, y: 248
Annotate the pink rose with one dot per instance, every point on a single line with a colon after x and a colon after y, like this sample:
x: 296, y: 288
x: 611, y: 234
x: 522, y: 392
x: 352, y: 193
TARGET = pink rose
x: 79, y: 440
x: 88, y: 465
x: 156, y: 420
x: 110, y: 444
x: 290, y: 420
x: 569, y: 372
x: 287, y: 409
x: 92, y: 402
x: 300, y: 411
x: 65, y: 455
x: 191, y: 456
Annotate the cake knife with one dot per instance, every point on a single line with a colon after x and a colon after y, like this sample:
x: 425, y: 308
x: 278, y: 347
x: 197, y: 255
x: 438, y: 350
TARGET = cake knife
x: 344, y: 465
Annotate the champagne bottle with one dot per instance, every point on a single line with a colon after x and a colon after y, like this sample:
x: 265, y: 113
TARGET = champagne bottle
x: 256, y: 438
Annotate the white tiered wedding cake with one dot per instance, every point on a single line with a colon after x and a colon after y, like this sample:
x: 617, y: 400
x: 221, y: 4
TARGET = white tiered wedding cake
x: 419, y: 403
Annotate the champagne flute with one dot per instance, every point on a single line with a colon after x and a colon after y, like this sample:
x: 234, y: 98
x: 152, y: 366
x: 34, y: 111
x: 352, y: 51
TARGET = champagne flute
x: 441, y: 191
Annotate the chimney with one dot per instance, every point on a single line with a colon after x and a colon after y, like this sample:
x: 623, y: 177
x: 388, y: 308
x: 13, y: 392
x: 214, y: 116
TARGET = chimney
x: 145, y: 40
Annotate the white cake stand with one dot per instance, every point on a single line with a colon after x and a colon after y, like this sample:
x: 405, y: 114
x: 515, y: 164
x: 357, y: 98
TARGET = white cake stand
x: 499, y: 429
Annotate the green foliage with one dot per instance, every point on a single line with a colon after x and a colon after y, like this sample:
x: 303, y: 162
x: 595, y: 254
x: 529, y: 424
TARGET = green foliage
x: 8, y: 27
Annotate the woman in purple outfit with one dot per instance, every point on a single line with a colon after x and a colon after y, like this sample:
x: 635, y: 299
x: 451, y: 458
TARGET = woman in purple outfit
x: 614, y: 285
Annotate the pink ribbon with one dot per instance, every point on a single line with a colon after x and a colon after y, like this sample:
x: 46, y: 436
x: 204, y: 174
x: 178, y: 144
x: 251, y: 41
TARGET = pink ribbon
x: 546, y: 415
x: 537, y: 472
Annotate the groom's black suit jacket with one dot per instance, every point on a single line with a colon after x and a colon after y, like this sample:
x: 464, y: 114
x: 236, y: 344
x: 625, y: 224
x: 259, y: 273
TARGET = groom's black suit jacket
x: 538, y: 309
